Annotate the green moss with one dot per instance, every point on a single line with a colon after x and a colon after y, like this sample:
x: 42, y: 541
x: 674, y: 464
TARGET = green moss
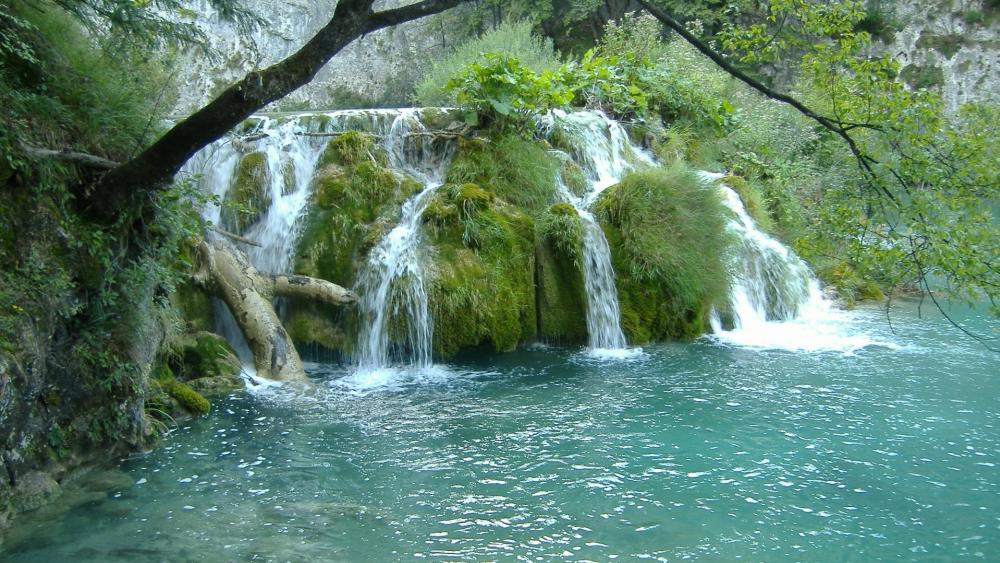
x: 518, y: 171
x: 471, y: 199
x: 194, y: 306
x: 187, y: 397
x: 205, y: 354
x: 162, y: 373
x: 753, y: 200
x: 318, y: 325
x: 668, y: 240
x: 347, y: 202
x: 440, y: 212
x: 562, y: 296
x: 573, y: 177
x: 481, y: 286
x: 249, y: 195
x: 352, y: 148
x: 355, y: 202
x: 561, y: 228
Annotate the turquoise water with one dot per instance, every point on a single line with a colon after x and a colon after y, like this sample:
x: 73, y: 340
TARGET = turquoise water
x: 703, y: 451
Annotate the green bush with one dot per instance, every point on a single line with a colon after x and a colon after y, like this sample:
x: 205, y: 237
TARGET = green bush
x: 514, y: 39
x: 117, y: 112
x: 560, y: 226
x: 517, y: 170
x: 666, y: 229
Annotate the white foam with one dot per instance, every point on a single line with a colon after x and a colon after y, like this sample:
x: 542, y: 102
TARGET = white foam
x: 613, y: 354
x: 366, y: 381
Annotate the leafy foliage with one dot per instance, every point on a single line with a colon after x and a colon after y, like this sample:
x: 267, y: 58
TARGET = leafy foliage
x: 514, y: 39
x: 919, y: 208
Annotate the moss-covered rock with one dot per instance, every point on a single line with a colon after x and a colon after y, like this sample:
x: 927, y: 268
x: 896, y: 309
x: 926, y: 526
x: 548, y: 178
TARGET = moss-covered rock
x: 517, y: 170
x: 481, y: 278
x: 355, y: 201
x: 204, y: 354
x: 194, y: 306
x: 848, y: 284
x: 352, y: 148
x: 573, y: 177
x: 561, y: 296
x: 562, y: 229
x: 320, y: 325
x: 249, y: 195
x: 173, y: 398
x: 187, y: 398
x: 668, y: 241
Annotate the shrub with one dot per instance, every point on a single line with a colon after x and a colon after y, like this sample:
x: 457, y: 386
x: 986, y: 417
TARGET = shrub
x: 514, y: 39
x: 666, y: 228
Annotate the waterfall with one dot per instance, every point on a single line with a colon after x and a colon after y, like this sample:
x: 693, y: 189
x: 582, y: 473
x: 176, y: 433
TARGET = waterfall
x: 775, y: 301
x: 393, y: 278
x: 601, y: 147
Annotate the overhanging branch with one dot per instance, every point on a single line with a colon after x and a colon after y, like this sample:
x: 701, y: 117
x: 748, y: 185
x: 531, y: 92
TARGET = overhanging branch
x: 152, y: 169
x: 865, y: 162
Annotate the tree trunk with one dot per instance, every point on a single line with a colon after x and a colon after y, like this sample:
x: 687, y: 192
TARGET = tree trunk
x: 228, y: 274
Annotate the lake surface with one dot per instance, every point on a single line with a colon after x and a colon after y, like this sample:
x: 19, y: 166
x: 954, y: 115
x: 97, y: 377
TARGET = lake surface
x: 879, y: 446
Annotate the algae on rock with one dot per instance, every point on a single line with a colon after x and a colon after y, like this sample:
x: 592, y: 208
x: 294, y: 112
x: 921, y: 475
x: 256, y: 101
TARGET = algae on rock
x: 354, y: 200
x: 249, y: 195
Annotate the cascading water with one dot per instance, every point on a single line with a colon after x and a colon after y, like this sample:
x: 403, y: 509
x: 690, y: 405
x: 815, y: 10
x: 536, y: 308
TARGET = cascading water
x: 393, y: 279
x: 290, y: 158
x: 602, y: 149
x: 291, y: 146
x: 775, y: 301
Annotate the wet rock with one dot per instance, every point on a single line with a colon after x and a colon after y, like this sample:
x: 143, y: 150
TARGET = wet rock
x: 33, y: 490
x: 105, y: 480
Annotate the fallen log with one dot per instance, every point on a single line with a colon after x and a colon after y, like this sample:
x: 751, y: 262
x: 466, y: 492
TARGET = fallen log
x: 227, y: 273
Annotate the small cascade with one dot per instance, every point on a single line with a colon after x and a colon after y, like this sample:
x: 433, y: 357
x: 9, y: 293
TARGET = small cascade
x: 292, y: 145
x: 392, y: 281
x: 775, y: 301
x: 769, y: 282
x: 601, y: 147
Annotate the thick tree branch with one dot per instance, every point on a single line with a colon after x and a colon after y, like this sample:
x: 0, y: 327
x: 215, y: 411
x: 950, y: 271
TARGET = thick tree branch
x: 156, y: 165
x: 316, y: 289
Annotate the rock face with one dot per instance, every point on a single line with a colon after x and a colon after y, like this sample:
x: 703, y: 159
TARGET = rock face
x: 953, y: 47
x: 391, y: 58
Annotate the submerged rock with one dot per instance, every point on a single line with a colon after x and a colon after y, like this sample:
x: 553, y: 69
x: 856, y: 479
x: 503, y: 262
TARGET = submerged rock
x: 34, y: 490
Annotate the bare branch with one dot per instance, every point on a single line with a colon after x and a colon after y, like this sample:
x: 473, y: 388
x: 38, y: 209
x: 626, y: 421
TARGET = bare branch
x: 66, y: 155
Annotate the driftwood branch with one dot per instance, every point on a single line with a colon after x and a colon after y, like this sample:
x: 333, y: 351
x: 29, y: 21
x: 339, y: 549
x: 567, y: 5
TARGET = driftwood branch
x: 227, y: 273
x: 66, y: 155
x: 236, y: 237
x: 304, y: 287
